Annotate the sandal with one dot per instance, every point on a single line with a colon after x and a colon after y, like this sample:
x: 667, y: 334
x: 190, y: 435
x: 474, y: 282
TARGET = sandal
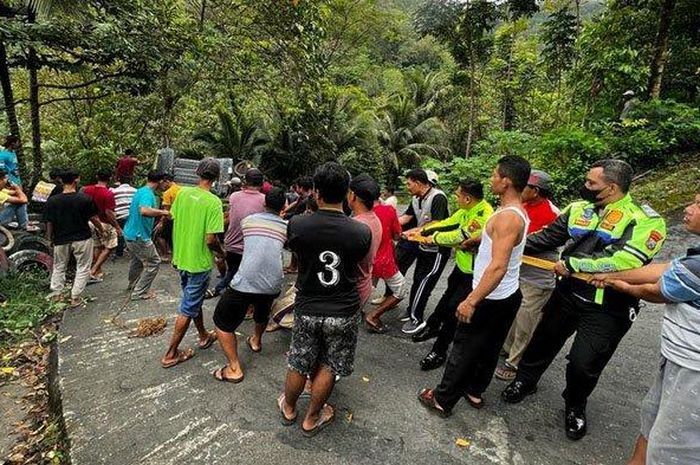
x: 182, y: 356
x: 285, y: 421
x: 219, y: 375
x: 427, y: 398
x: 211, y: 338
x: 321, y: 423
x: 375, y: 328
x: 505, y: 373
x: 250, y: 344
x: 473, y: 403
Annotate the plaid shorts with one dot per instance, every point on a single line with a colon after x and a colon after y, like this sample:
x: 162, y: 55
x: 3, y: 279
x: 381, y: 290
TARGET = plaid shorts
x: 327, y: 341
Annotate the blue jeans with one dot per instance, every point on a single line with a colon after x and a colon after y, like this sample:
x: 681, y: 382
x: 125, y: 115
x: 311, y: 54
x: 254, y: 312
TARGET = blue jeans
x: 12, y: 211
x: 194, y: 286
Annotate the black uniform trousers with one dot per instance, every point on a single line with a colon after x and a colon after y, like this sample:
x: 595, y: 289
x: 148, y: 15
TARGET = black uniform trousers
x: 429, y: 267
x: 599, y: 329
x: 443, y: 318
x: 474, y: 354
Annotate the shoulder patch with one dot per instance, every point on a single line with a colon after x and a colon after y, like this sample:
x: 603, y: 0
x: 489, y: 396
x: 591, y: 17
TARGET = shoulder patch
x: 648, y: 211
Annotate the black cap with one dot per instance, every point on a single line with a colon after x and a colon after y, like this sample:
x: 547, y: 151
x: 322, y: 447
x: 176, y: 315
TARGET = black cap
x: 365, y: 187
x: 254, y: 177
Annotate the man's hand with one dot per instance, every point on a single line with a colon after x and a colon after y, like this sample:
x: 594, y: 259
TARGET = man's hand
x: 465, y: 310
x: 560, y: 269
x: 470, y: 244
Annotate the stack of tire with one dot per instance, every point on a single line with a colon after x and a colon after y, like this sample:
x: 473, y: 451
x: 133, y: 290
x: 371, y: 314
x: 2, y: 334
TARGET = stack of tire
x: 185, y: 174
x: 24, y: 252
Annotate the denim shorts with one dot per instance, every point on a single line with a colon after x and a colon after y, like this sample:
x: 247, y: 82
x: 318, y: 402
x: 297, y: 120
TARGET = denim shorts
x: 326, y: 341
x: 194, y: 286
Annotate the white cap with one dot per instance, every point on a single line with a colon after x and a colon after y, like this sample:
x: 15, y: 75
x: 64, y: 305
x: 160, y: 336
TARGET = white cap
x: 432, y: 177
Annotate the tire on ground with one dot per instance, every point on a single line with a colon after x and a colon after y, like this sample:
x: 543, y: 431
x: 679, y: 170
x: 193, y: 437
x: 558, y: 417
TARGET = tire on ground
x: 31, y: 260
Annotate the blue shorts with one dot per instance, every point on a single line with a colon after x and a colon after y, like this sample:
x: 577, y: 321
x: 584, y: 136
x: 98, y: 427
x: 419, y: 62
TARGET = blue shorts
x: 194, y: 286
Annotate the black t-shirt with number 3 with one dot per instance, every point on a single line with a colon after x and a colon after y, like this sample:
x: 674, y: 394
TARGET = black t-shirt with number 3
x: 329, y: 246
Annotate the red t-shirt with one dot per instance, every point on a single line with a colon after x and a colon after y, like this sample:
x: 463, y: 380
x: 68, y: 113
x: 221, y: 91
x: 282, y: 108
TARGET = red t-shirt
x: 541, y: 213
x: 103, y: 198
x: 384, y: 262
x: 125, y: 167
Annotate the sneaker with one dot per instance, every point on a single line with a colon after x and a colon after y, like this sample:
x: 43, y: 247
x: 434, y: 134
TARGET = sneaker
x: 378, y: 301
x: 405, y: 317
x: 412, y: 327
x: 425, y: 334
x: 432, y: 361
x: 32, y: 228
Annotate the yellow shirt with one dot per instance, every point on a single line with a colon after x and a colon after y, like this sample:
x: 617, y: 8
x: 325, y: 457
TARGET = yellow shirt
x: 4, y: 195
x: 170, y: 194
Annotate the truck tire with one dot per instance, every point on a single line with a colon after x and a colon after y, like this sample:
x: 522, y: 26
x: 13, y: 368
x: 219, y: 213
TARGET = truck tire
x: 31, y: 261
x: 28, y: 241
x: 7, y: 239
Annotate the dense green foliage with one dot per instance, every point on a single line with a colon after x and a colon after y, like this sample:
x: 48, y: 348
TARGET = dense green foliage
x: 381, y: 85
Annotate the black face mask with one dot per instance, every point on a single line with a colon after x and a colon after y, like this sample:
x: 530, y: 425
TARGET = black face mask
x: 590, y: 195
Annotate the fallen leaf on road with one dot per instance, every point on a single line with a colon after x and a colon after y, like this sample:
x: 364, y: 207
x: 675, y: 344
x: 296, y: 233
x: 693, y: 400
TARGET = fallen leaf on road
x: 348, y: 416
x: 461, y: 442
x: 65, y: 339
x: 7, y: 370
x: 365, y: 379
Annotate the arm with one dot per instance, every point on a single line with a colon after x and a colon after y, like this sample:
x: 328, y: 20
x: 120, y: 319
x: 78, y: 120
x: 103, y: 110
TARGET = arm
x: 153, y: 212
x: 505, y: 233
x: 551, y: 236
x: 469, y: 232
x: 408, y: 216
x: 95, y: 220
x: 448, y: 224
x: 112, y: 219
x: 18, y: 197
x: 648, y: 274
x: 214, y: 245
x: 49, y: 231
x: 651, y: 292
x: 632, y: 251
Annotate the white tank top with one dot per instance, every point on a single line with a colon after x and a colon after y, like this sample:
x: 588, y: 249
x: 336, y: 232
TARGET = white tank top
x: 510, y: 282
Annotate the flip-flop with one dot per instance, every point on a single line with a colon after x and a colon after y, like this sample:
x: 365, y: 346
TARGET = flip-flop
x: 182, y: 356
x: 219, y: 376
x: 376, y: 328
x: 210, y: 294
x: 247, y: 341
x: 427, y: 398
x: 321, y: 424
x: 210, y: 340
x: 285, y: 421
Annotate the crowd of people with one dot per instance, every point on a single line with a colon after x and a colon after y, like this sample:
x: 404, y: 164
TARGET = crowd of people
x: 527, y: 276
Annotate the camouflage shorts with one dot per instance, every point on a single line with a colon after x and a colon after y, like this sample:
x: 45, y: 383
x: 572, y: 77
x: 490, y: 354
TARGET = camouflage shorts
x: 327, y: 341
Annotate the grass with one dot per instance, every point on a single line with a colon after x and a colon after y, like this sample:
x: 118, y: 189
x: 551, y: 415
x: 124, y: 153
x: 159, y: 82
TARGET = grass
x: 25, y: 308
x: 670, y: 189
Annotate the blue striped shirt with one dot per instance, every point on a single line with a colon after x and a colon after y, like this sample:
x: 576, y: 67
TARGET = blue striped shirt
x: 680, y: 332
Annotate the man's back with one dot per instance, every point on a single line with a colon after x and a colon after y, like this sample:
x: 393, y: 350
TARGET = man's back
x: 329, y: 246
x: 103, y: 198
x: 260, y: 271
x: 125, y: 167
x: 123, y: 195
x: 241, y: 204
x: 69, y: 214
x: 196, y: 213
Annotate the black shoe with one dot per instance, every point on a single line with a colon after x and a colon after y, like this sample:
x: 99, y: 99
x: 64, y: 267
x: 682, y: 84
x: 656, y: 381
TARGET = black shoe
x: 575, y: 423
x: 517, y: 391
x: 432, y: 361
x: 425, y: 334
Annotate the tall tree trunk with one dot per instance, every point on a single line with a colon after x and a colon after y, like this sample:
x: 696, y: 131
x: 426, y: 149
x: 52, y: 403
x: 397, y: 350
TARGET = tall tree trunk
x: 472, y: 108
x: 508, y: 101
x: 37, y: 157
x: 656, y: 70
x: 9, y: 100
x: 35, y: 112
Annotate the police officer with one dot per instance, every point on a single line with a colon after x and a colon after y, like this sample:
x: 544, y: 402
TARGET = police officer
x: 605, y: 232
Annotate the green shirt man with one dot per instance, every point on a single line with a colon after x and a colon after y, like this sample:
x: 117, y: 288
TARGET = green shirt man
x: 196, y: 213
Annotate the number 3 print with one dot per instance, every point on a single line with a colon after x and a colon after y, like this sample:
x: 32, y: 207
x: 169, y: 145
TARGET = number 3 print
x: 331, y: 260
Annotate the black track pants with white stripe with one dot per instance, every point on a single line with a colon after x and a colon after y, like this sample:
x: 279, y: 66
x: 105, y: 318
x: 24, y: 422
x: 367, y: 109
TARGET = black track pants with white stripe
x: 429, y: 267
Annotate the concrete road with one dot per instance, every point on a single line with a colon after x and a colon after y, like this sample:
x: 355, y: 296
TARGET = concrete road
x: 121, y: 407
